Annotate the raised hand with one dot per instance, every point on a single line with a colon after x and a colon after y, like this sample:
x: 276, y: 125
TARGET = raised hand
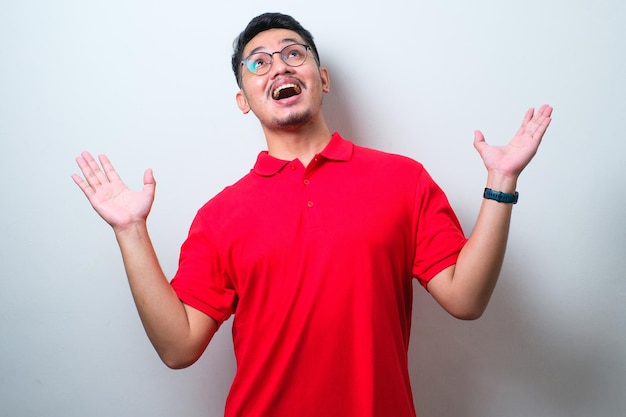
x: 109, y: 196
x: 511, y: 159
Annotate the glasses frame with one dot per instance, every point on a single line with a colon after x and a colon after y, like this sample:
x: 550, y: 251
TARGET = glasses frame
x: 307, y: 48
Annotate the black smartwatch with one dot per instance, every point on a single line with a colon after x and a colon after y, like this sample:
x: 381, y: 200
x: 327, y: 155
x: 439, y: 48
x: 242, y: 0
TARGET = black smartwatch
x: 500, y: 197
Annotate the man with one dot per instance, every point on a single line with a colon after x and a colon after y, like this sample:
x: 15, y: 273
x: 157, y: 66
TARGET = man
x: 314, y: 251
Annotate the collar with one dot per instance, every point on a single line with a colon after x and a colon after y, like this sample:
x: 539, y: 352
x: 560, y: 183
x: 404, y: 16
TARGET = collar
x: 338, y: 149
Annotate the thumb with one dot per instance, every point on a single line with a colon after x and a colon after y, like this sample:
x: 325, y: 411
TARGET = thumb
x: 479, y: 140
x: 149, y: 183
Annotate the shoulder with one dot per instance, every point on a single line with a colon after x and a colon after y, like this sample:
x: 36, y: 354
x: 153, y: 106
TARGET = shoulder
x: 381, y: 161
x: 229, y: 198
x: 383, y: 155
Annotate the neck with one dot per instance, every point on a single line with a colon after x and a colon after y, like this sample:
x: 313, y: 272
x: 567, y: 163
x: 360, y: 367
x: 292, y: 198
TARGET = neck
x: 302, y: 143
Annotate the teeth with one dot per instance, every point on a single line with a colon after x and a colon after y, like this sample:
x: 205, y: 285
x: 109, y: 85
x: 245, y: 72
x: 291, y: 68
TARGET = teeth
x: 276, y: 93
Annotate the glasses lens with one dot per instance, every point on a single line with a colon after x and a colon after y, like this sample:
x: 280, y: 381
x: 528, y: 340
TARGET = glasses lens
x: 294, y: 55
x: 258, y: 63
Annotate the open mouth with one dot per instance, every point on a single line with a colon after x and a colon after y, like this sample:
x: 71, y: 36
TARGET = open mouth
x: 286, y: 91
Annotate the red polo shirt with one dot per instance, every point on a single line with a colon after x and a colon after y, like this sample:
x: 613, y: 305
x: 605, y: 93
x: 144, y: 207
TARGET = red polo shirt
x: 316, y: 264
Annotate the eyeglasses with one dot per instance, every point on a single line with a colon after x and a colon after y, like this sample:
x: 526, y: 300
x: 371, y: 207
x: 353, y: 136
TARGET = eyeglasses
x: 259, y: 63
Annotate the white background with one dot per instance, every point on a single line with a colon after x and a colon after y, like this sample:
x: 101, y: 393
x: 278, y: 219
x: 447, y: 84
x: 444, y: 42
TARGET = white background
x: 149, y: 84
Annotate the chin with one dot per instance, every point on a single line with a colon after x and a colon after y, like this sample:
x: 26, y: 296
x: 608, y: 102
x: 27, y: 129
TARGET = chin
x: 293, y: 120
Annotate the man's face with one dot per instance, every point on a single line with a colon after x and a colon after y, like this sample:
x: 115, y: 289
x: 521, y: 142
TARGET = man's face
x: 285, y: 97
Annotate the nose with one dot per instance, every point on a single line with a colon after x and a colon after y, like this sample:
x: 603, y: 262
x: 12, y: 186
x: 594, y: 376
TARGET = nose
x: 278, y: 65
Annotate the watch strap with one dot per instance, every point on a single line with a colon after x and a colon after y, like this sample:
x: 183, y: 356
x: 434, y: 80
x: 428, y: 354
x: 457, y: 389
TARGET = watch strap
x: 500, y: 197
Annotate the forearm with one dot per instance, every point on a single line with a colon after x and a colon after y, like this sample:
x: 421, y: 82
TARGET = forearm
x: 465, y: 289
x: 163, y: 315
x: 480, y: 261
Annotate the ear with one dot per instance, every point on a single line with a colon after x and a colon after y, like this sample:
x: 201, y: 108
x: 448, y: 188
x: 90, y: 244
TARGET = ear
x: 242, y: 102
x: 325, y: 79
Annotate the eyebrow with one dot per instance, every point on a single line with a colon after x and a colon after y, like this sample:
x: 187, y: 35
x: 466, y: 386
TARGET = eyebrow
x: 282, y: 42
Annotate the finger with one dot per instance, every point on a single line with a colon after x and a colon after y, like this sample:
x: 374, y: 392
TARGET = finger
x: 108, y: 169
x: 94, y: 176
x: 541, y: 129
x: 546, y: 110
x: 149, y: 183
x: 533, y: 124
x: 541, y: 122
x: 82, y: 184
x: 83, y: 163
x: 528, y: 116
x: 479, y: 140
x: 148, y: 177
x: 525, y: 122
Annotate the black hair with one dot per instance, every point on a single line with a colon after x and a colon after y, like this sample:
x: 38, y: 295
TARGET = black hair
x: 261, y: 23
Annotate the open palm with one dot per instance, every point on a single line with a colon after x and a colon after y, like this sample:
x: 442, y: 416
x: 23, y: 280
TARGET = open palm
x: 110, y: 197
x: 513, y: 157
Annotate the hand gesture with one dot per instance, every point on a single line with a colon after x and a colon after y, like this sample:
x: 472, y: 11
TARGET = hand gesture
x: 511, y: 159
x: 109, y: 196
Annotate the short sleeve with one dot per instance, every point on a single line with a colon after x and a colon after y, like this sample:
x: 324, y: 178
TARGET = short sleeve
x: 201, y: 280
x: 439, y: 237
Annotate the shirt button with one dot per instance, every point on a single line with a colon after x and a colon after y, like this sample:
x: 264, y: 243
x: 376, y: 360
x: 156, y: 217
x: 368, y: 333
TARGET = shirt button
x: 306, y: 182
x: 293, y: 167
x: 309, y: 204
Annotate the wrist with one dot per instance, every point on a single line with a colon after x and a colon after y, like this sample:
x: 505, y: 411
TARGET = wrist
x: 502, y: 182
x: 130, y: 228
